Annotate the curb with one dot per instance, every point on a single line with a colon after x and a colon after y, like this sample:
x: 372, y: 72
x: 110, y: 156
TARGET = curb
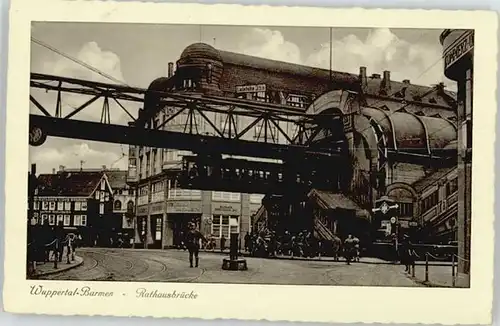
x: 61, y: 269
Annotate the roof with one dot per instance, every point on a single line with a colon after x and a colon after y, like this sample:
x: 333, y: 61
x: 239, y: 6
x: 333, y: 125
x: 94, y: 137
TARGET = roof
x: 117, y: 179
x: 407, y: 131
x: 329, y: 201
x: 343, y: 79
x: 81, y: 184
x: 427, y: 181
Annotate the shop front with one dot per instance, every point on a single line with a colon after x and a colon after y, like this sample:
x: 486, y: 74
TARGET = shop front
x: 225, y: 220
x: 179, y: 214
x: 141, y: 226
x: 156, y: 219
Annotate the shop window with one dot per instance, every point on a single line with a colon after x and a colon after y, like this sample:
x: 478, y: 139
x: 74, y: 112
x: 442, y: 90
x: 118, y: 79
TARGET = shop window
x: 60, y: 206
x: 223, y: 225
x: 67, y: 206
x: 158, y: 228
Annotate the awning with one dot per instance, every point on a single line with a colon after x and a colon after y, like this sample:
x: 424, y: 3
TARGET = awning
x: 330, y: 201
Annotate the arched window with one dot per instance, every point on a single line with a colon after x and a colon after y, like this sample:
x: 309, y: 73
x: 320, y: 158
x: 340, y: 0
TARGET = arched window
x: 130, y: 206
x: 118, y: 205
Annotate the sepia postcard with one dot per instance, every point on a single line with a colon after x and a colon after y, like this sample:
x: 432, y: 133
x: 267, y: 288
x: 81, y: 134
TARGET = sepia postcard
x: 250, y: 162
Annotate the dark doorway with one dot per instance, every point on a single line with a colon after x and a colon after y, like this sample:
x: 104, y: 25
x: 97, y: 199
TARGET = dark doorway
x: 156, y: 231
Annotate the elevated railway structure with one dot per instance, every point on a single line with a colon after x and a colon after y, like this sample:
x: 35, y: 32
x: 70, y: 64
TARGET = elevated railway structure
x: 352, y: 142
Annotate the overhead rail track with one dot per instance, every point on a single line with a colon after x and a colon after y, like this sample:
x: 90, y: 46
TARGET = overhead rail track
x: 229, y: 137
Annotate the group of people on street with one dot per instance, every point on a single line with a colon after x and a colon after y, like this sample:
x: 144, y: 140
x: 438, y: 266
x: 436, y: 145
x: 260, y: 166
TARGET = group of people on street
x: 46, y: 243
x: 301, y: 244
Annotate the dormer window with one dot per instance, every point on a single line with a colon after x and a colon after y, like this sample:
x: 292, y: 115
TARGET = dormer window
x: 432, y: 100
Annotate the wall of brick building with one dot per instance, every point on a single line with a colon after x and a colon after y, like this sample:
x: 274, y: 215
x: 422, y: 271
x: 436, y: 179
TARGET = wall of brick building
x: 239, y: 75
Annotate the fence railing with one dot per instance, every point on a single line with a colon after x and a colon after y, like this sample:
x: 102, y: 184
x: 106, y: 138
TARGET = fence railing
x: 454, y: 266
x: 35, y: 252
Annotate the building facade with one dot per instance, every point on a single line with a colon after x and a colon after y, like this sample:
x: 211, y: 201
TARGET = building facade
x: 376, y: 110
x: 81, y: 201
x: 458, y: 54
x: 123, y: 203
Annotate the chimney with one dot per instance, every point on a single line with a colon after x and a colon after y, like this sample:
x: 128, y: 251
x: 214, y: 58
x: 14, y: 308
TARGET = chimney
x: 406, y: 81
x: 170, y: 69
x: 376, y: 76
x: 362, y: 78
x: 53, y: 171
x: 386, y: 82
x: 61, y: 168
x: 104, y: 167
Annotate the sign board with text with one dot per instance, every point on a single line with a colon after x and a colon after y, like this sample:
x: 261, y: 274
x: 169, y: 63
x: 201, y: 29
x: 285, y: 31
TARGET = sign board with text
x: 226, y: 208
x: 142, y: 210
x: 251, y: 88
x: 460, y: 48
x: 184, y: 207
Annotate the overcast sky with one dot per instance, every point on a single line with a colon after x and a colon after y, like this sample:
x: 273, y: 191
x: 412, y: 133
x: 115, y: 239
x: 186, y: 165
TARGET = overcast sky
x: 137, y: 54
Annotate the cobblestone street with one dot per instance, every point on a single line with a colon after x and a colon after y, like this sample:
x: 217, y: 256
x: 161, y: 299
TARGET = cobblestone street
x: 173, y: 266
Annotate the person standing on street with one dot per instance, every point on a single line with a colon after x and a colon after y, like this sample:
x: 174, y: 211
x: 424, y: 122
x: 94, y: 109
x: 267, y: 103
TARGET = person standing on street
x: 349, y: 249
x: 193, y: 237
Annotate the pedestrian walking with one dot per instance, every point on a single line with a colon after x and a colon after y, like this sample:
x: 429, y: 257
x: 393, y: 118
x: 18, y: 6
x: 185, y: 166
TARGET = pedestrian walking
x: 247, y: 242
x: 222, y: 243
x: 193, y: 237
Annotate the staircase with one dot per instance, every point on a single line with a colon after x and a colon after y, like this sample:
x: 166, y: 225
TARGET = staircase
x: 321, y: 231
x: 260, y: 219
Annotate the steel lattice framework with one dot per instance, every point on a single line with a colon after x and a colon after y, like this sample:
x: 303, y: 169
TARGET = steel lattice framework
x: 230, y: 138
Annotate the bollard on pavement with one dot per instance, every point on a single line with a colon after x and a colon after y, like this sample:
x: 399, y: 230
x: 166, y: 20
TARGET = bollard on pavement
x: 413, y: 270
x: 426, y: 267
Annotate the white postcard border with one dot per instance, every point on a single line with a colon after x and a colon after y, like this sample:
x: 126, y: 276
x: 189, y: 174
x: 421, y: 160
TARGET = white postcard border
x: 254, y: 302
